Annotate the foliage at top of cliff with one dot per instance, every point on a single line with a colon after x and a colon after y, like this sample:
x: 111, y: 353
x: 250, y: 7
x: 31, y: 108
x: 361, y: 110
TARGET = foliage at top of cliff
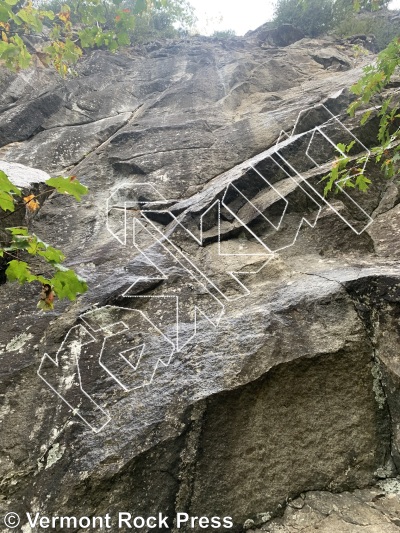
x: 341, y: 17
x: 63, y: 30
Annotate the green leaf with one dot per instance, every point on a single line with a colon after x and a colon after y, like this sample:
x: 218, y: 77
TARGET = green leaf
x: 353, y: 107
x: 366, y: 116
x: 328, y: 187
x: 7, y: 189
x: 18, y: 230
x: 15, y: 53
x: 67, y: 284
x: 31, y: 18
x: 68, y: 186
x: 45, y: 306
x: 22, y: 240
x: 362, y: 182
x: 71, y: 52
x: 87, y: 37
x: 342, y: 162
x: 123, y: 39
x: 47, y: 14
x: 52, y: 255
x: 6, y: 201
x: 7, y: 186
x: 5, y: 14
x: 19, y: 271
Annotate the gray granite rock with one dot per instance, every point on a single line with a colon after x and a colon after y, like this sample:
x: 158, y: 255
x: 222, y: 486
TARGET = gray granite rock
x: 281, y: 374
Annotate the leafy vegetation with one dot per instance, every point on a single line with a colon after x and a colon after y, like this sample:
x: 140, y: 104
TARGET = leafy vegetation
x: 313, y: 17
x: 342, y: 176
x: 223, y: 34
x: 21, y: 244
x: 380, y: 25
x: 68, y: 28
x: 375, y: 79
x: 175, y: 18
x: 343, y: 17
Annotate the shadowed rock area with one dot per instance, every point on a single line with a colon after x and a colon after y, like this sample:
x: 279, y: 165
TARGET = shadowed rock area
x: 236, y: 354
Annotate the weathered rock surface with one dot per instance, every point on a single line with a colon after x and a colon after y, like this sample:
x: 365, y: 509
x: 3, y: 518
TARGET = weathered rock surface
x: 369, y: 510
x: 281, y: 374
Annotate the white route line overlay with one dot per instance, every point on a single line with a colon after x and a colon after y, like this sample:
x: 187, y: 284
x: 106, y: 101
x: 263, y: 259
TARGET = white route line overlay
x: 189, y: 266
x: 106, y: 418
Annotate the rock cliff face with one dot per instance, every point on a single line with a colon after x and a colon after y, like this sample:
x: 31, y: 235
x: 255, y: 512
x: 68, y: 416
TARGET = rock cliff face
x: 238, y: 345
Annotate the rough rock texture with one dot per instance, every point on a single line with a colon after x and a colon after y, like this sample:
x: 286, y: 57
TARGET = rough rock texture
x: 281, y: 375
x: 370, y: 510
